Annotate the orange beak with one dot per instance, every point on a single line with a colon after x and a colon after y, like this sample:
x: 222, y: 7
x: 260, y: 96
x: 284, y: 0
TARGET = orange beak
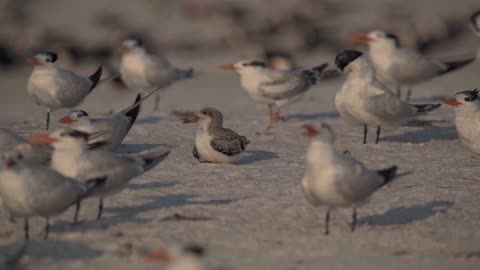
x: 41, y: 139
x: 159, y: 256
x: 33, y: 61
x: 310, y: 131
x: 361, y: 38
x: 66, y: 120
x: 123, y: 49
x: 228, y: 67
x: 452, y: 102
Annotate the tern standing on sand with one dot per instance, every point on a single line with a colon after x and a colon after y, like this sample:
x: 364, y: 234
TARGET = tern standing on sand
x: 400, y: 66
x: 39, y: 191
x: 142, y: 70
x: 362, y: 100
x: 275, y: 87
x: 466, y: 106
x: 72, y: 158
x: 213, y: 142
x: 55, y: 88
x: 334, y: 180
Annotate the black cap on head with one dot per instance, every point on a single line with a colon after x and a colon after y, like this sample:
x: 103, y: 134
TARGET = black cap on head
x: 471, y: 95
x: 77, y: 134
x: 344, y: 58
x: 473, y: 20
x: 53, y: 56
x: 195, y: 250
x: 394, y: 37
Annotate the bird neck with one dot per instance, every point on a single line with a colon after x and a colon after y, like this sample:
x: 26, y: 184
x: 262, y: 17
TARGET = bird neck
x: 321, y: 151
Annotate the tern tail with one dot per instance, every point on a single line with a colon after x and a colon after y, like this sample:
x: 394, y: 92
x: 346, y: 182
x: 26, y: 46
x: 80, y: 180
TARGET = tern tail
x: 133, y: 112
x: 95, y: 77
x: 388, y: 174
x: 153, y: 157
x: 456, y: 65
x: 425, y: 108
x: 314, y: 74
x: 184, y: 73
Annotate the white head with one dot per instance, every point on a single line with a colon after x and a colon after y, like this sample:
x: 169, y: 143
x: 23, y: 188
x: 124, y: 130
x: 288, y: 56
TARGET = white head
x: 246, y: 66
x: 43, y: 59
x: 208, y: 117
x: 465, y: 101
x: 130, y: 45
x: 377, y: 39
x: 323, y: 134
x: 73, y: 116
x: 11, y: 160
x: 187, y: 257
x: 62, y: 139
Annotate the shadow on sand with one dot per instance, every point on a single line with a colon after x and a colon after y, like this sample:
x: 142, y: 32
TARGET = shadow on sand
x: 424, y: 135
x: 151, y: 185
x: 257, y: 155
x: 407, y: 215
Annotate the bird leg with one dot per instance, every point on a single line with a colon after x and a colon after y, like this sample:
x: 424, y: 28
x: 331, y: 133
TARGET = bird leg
x: 270, y: 116
x: 378, y: 135
x: 100, y: 209
x: 26, y: 229
x: 47, y: 123
x: 47, y: 228
x: 399, y: 92
x: 276, y: 116
x: 327, y: 222
x: 354, y: 218
x: 77, y: 210
x: 157, y: 102
x: 365, y: 131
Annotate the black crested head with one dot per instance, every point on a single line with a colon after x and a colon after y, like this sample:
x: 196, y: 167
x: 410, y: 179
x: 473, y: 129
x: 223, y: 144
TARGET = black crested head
x: 344, y: 58
x: 255, y: 63
x: 76, y: 134
x: 195, y: 250
x: 394, y: 38
x: 473, y: 20
x: 471, y: 95
x: 53, y: 56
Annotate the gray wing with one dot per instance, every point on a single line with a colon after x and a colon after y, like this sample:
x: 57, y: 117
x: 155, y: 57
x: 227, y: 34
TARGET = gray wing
x: 284, y: 85
x: 159, y: 71
x: 229, y: 142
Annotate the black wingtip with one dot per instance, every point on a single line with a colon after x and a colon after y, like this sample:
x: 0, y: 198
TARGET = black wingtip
x: 426, y: 108
x: 95, y: 77
x: 473, y: 20
x: 133, y: 113
x: 388, y: 174
x: 451, y: 66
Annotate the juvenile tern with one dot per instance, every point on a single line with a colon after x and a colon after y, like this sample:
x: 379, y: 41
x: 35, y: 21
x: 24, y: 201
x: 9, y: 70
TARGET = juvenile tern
x: 466, y: 106
x: 363, y: 100
x: 275, y: 87
x: 29, y: 191
x: 400, y: 66
x: 213, y: 142
x: 72, y: 158
x: 334, y: 180
x: 142, y: 70
x: 55, y: 88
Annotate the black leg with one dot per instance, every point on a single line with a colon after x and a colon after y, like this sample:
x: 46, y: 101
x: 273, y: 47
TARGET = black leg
x: 157, y: 102
x: 25, y: 228
x: 327, y: 222
x: 378, y: 135
x: 399, y: 92
x: 100, y: 209
x: 365, y: 131
x: 47, y: 124
x: 47, y: 228
x: 77, y: 210
x: 354, y: 218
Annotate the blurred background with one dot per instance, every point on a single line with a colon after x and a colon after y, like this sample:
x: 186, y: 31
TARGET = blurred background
x: 205, y: 33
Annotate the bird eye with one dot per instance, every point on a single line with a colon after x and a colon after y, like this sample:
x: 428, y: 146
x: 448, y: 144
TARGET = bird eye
x: 468, y: 99
x: 19, y: 156
x: 244, y: 64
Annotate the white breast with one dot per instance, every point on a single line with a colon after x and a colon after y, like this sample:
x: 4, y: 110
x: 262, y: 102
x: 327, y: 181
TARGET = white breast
x: 206, y: 151
x: 132, y: 71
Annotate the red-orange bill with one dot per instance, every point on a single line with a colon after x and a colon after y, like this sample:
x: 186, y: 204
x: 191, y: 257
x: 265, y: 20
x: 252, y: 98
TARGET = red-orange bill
x: 33, y: 61
x: 310, y: 131
x: 159, y: 256
x: 228, y: 67
x: 452, y: 102
x: 66, y: 120
x: 361, y: 38
x: 41, y: 139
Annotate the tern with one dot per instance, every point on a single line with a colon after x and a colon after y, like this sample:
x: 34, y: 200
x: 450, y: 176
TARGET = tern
x: 400, y: 66
x: 179, y: 258
x: 55, y: 88
x: 363, y: 100
x: 72, y: 158
x: 213, y: 142
x: 142, y: 70
x: 334, y: 180
x: 275, y: 87
x: 29, y: 191
x: 466, y: 105
x: 10, y: 141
